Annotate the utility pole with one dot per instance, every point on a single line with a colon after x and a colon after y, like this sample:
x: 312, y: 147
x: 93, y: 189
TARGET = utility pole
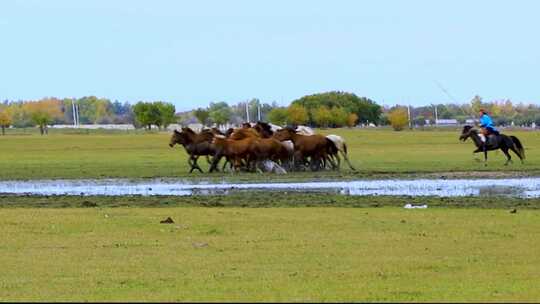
x: 247, y: 111
x: 436, y: 116
x: 73, y: 112
x: 409, y: 116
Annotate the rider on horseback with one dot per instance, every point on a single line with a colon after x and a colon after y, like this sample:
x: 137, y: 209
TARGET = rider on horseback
x: 488, y: 129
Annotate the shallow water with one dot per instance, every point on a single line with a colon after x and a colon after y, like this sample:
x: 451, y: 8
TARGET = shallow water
x: 514, y: 187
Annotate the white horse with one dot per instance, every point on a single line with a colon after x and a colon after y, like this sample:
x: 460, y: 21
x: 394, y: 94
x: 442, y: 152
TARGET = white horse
x: 339, y: 141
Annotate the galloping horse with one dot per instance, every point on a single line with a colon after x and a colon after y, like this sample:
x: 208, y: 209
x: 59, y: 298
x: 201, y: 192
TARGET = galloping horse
x: 339, y: 141
x: 234, y: 150
x: 195, y: 145
x: 503, y: 142
x: 316, y: 147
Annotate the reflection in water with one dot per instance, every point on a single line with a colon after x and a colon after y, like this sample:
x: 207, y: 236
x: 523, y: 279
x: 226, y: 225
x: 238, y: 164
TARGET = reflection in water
x: 516, y: 187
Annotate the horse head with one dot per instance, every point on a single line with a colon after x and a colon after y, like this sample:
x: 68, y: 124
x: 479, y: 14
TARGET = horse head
x: 466, y: 132
x: 176, y: 138
x: 284, y: 134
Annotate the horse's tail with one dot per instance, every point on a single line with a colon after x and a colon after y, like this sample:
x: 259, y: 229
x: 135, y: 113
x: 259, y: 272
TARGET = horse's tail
x: 519, y: 146
x: 331, y: 147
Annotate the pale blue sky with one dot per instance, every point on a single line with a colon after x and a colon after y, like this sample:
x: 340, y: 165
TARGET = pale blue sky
x: 194, y: 52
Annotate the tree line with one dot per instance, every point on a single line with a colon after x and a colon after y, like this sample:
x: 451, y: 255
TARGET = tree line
x: 329, y: 109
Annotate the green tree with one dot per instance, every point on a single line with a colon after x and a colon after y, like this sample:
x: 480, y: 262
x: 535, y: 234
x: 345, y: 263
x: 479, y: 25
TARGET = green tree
x: 365, y: 108
x: 278, y: 116
x: 398, y: 118
x: 219, y: 112
x: 146, y: 114
x: 202, y: 115
x: 338, y: 117
x: 476, y: 104
x: 166, y: 112
x: 298, y: 115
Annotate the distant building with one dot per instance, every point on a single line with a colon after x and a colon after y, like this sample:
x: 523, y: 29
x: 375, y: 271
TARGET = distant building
x: 447, y: 122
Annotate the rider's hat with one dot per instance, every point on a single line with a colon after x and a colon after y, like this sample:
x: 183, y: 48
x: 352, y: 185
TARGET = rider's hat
x: 482, y: 110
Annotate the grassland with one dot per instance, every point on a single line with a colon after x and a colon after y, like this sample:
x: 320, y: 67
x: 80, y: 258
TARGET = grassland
x: 91, y: 154
x: 264, y: 246
x: 271, y: 254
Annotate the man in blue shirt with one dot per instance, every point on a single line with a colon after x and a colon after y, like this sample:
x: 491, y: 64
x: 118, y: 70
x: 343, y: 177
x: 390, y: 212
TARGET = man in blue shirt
x: 487, y: 125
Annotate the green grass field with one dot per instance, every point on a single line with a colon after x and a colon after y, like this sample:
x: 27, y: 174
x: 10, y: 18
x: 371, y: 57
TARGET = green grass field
x: 271, y: 254
x: 133, y: 155
x: 264, y: 246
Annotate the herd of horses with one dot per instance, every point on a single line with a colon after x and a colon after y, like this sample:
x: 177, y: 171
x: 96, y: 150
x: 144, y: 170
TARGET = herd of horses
x: 255, y: 145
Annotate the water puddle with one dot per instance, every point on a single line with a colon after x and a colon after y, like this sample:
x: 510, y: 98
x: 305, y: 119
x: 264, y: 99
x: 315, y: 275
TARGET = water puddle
x: 513, y: 187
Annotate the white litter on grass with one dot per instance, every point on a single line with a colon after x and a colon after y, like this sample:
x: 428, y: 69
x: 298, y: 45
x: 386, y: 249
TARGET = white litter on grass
x: 410, y: 206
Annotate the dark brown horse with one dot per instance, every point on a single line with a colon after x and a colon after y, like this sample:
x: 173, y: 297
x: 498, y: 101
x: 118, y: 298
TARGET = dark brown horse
x: 264, y: 129
x: 315, y: 147
x: 196, y: 145
x: 501, y: 141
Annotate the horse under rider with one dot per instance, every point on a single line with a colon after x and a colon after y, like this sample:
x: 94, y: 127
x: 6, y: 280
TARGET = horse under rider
x: 486, y: 125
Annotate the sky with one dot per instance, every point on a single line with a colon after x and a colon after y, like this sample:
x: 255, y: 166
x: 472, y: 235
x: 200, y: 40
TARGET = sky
x: 192, y: 53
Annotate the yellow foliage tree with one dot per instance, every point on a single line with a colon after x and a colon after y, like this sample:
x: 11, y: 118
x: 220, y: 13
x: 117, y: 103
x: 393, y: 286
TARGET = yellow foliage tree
x: 298, y: 115
x: 43, y: 112
x: 339, y: 116
x: 5, y: 119
x: 398, y: 118
x: 352, y: 119
x: 322, y: 116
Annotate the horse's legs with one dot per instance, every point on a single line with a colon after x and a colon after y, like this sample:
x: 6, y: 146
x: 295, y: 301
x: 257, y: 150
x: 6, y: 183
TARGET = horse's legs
x: 338, y: 161
x: 195, y: 165
x: 508, y: 157
x: 485, y: 156
x: 513, y: 148
x: 215, y: 163
x: 344, y: 154
x: 190, y: 161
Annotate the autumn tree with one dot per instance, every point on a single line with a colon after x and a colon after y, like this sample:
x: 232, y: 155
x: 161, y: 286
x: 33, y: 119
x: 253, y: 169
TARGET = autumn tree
x: 298, y: 115
x: 322, y: 117
x: 398, y: 118
x: 352, y: 119
x: 44, y: 112
x: 5, y: 119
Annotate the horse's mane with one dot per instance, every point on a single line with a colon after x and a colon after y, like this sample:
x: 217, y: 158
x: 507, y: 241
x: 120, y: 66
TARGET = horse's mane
x: 290, y: 129
x: 243, y: 133
x: 469, y: 128
x: 188, y: 130
x: 264, y: 127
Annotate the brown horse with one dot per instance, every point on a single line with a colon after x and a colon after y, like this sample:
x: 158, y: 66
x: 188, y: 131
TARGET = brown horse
x: 238, y: 134
x: 315, y: 147
x: 196, y: 145
x: 237, y: 151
